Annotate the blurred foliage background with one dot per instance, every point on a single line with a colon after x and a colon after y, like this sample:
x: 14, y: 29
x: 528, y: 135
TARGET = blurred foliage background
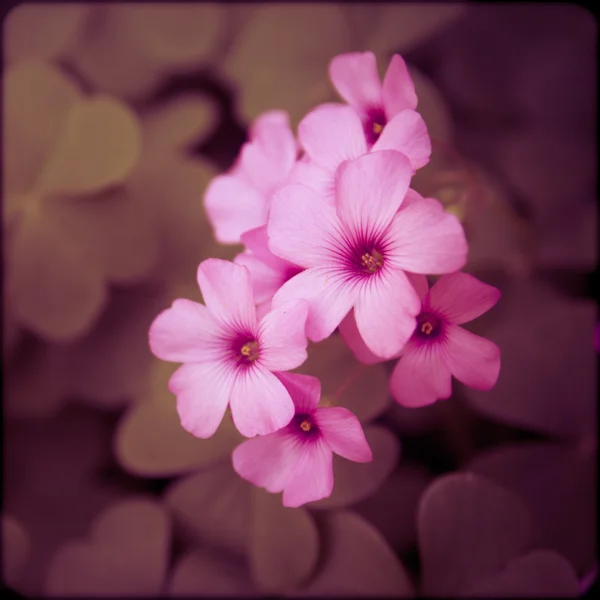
x: 115, y: 117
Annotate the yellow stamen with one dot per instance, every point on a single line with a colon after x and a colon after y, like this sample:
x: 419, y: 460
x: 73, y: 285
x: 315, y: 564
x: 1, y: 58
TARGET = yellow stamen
x: 250, y: 350
x: 371, y: 262
x: 427, y: 328
x: 377, y: 128
x: 305, y: 426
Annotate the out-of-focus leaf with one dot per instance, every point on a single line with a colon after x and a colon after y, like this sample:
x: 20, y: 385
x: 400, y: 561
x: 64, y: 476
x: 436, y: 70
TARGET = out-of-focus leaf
x: 536, y: 327
x: 37, y: 98
x: 362, y: 389
x: 151, y: 442
x: 356, y: 561
x: 353, y: 481
x: 284, y: 545
x: 98, y: 146
x: 468, y: 529
x: 295, y: 76
x: 558, y: 485
x: 201, y: 572
x: 36, y: 31
x: 392, y: 509
x: 213, y: 507
x: 541, y: 574
x: 15, y: 548
x: 126, y: 554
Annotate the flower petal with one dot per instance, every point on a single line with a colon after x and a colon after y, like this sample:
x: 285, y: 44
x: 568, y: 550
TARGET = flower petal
x: 343, y: 433
x: 99, y: 147
x: 266, y: 279
x: 370, y: 189
x: 203, y: 391
x: 260, y: 404
x: 305, y: 390
x: 356, y: 481
x: 472, y: 359
x: 385, y: 313
x: 186, y: 332
x: 351, y: 335
x: 282, y: 338
x: 300, y: 224
x: 331, y: 134
x: 398, y: 90
x: 266, y: 461
x: 312, y: 476
x: 227, y: 292
x: 234, y: 207
x: 356, y: 79
x: 320, y: 180
x: 462, y: 297
x: 329, y: 296
x: 427, y: 239
x: 421, y: 377
x: 406, y: 133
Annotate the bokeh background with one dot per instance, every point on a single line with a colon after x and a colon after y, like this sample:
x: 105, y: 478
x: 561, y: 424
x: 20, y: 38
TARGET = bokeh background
x: 115, y: 117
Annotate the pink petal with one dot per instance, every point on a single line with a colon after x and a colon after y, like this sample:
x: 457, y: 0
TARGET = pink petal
x: 227, y: 292
x: 427, y: 239
x: 331, y: 134
x: 421, y: 377
x: 260, y: 404
x: 355, y: 77
x: 266, y: 460
x: 398, y: 88
x: 329, y: 296
x: 370, y: 189
x: 343, y: 433
x: 257, y: 241
x: 265, y: 279
x: 300, y: 225
x: 271, y: 154
x: 282, y: 337
x: 462, y: 297
x: 354, y: 341
x: 312, y: 477
x: 419, y: 282
x: 385, y: 313
x: 472, y: 359
x: 305, y: 390
x: 203, y: 391
x: 186, y: 332
x: 233, y: 207
x: 407, y: 133
x: 315, y: 177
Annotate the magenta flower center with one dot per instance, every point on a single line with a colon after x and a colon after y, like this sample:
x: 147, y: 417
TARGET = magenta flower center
x: 305, y: 426
x: 245, y: 349
x: 366, y: 256
x: 374, y: 124
x: 371, y: 262
x: 429, y: 326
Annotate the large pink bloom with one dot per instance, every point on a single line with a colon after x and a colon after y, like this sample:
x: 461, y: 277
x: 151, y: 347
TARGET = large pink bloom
x: 439, y: 348
x: 298, y: 459
x: 239, y: 201
x: 356, y: 79
x: 355, y: 253
x: 230, y: 356
x: 267, y: 271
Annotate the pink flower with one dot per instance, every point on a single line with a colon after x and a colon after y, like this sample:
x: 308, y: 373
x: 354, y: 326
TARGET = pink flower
x: 267, y: 271
x: 356, y: 79
x: 355, y: 253
x: 439, y: 348
x: 229, y: 355
x: 298, y: 459
x: 239, y: 201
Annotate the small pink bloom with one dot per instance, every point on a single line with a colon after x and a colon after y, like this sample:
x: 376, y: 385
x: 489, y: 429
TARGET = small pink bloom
x: 439, y: 348
x: 298, y: 459
x: 355, y: 253
x: 267, y: 271
x: 230, y: 355
x: 239, y: 201
x: 356, y: 79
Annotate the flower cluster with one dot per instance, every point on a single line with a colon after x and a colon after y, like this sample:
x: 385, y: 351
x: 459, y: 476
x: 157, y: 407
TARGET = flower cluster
x: 334, y: 238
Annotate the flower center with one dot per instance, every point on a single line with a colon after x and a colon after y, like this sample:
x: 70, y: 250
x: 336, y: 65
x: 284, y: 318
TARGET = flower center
x: 306, y: 425
x: 429, y: 326
x: 377, y: 128
x: 371, y: 261
x: 249, y: 351
x: 376, y: 121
